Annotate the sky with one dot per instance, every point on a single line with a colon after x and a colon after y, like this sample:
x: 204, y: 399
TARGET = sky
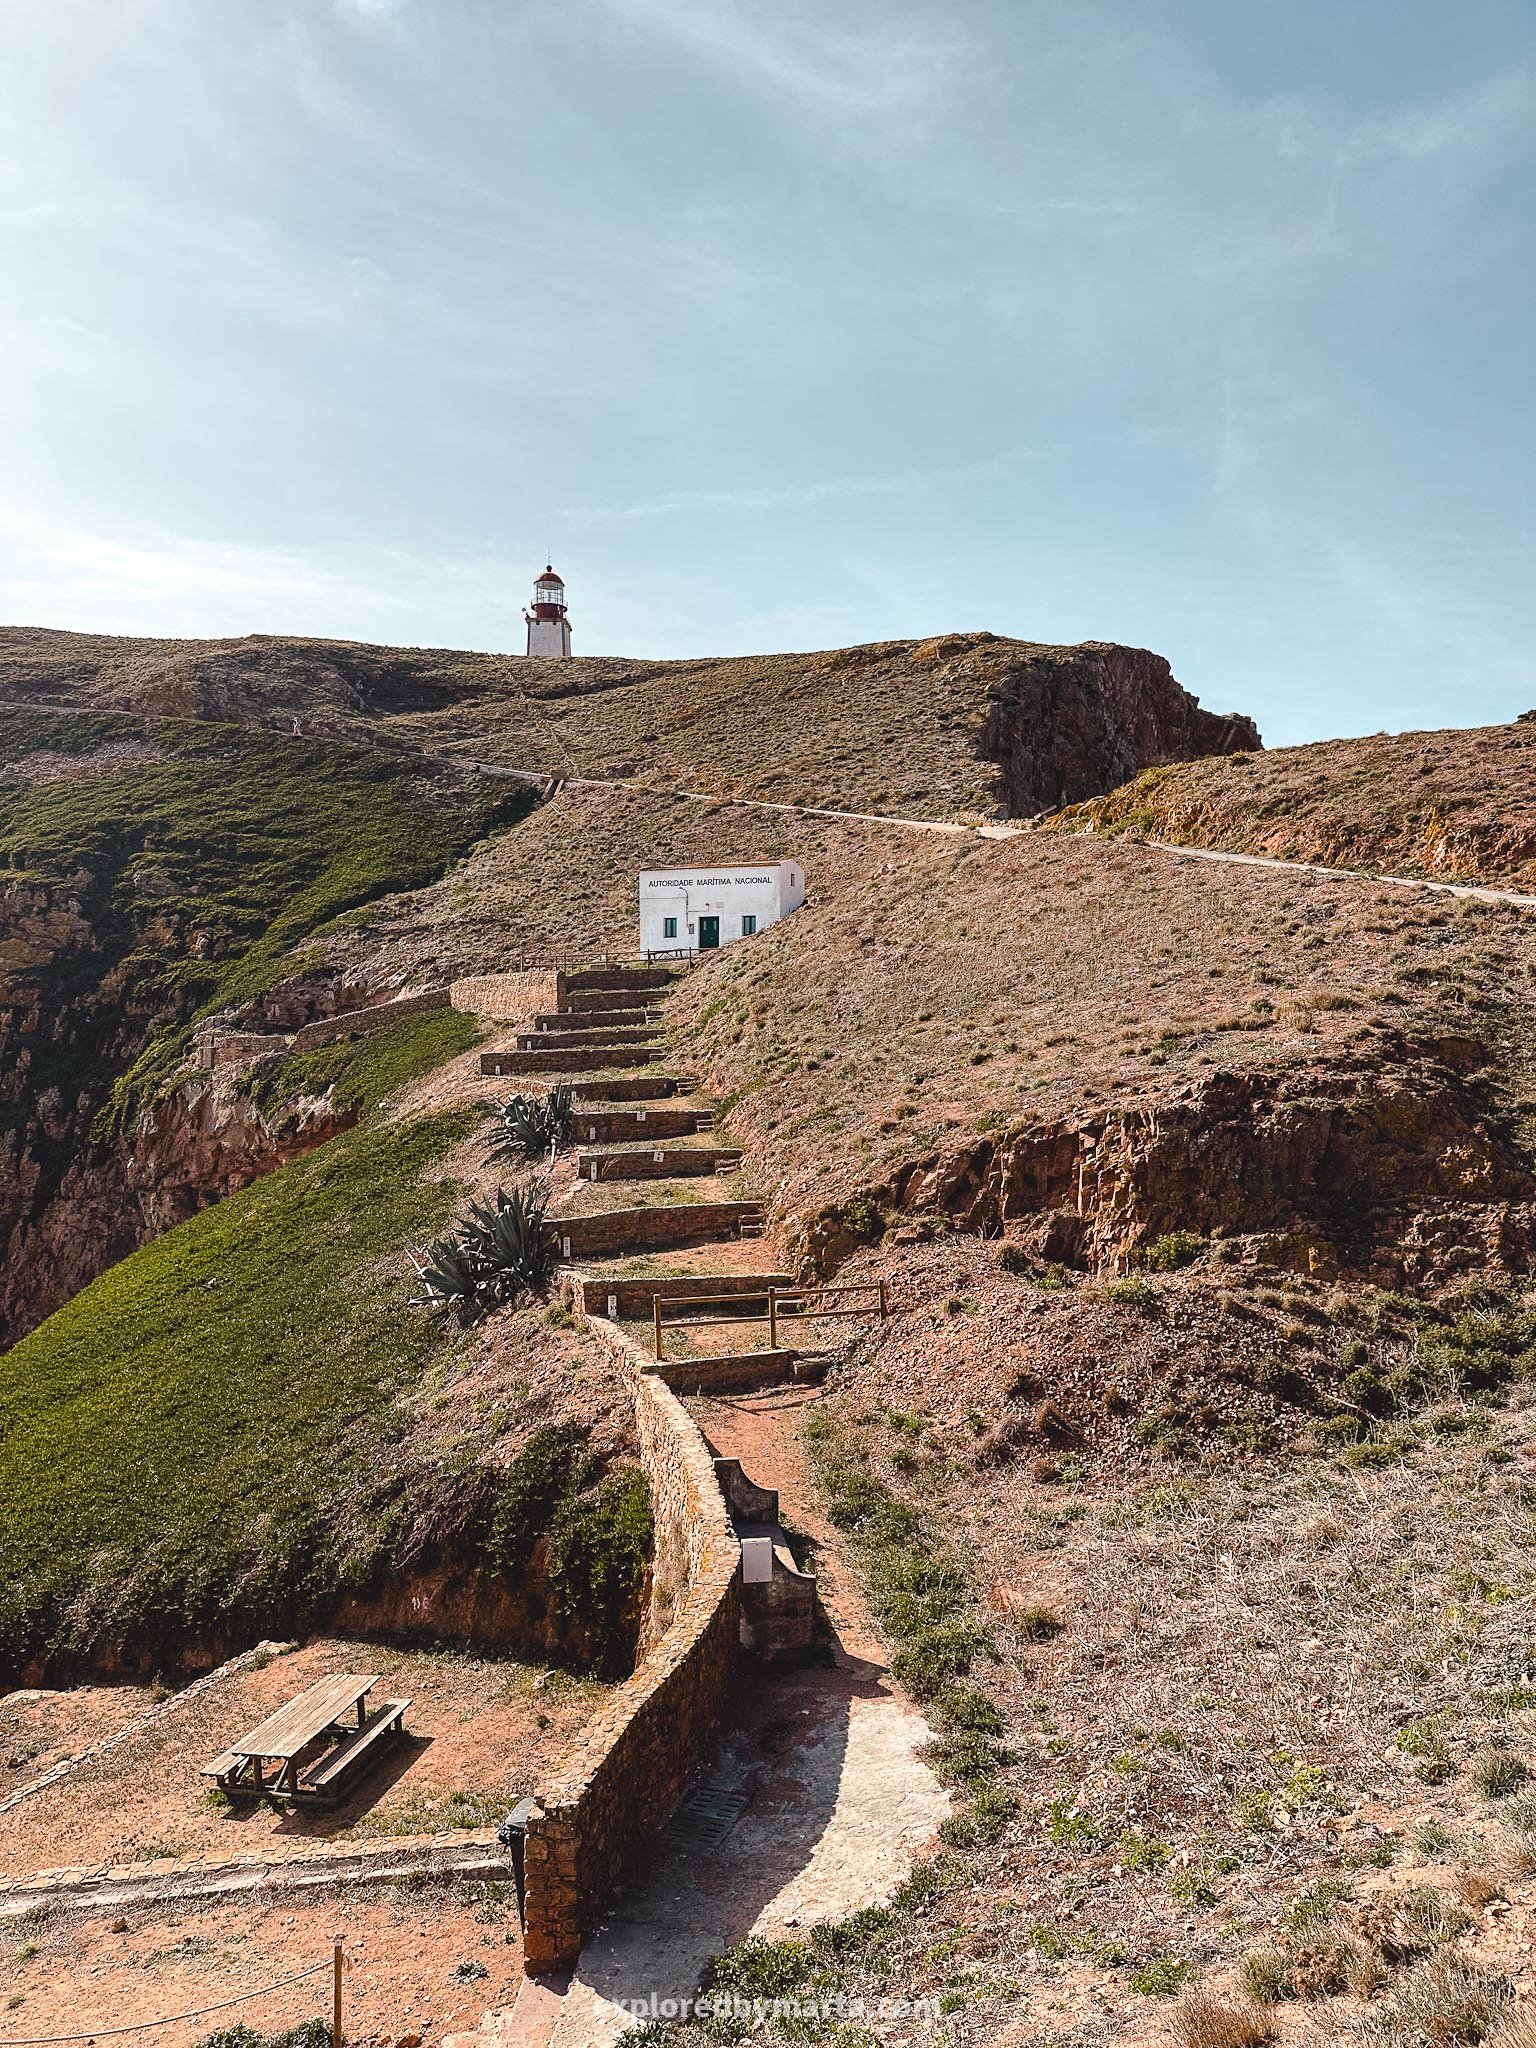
x: 1201, y: 325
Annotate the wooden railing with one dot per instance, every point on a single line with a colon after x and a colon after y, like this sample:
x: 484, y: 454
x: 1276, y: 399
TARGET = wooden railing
x: 780, y: 1301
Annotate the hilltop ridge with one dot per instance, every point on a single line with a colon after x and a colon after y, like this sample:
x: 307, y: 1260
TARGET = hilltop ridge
x: 959, y: 725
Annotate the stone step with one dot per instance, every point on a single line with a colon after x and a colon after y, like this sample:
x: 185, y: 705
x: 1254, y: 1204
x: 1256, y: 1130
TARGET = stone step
x: 615, y: 1126
x: 560, y: 1059
x: 734, y: 1372
x: 656, y: 1162
x: 613, y: 1231
x: 632, y: 1296
x: 595, y: 1020
x: 541, y: 1041
x: 634, y: 1088
x: 589, y: 1002
x: 582, y: 979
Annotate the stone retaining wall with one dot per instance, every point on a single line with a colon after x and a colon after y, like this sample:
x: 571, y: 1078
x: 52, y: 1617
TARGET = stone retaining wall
x: 633, y: 1297
x: 622, y: 1230
x: 359, y: 1023
x: 737, y: 1372
x: 509, y: 998
x: 626, y: 1772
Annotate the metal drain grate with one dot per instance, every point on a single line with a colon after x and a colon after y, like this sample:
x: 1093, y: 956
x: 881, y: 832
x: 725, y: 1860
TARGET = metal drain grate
x: 703, y: 1820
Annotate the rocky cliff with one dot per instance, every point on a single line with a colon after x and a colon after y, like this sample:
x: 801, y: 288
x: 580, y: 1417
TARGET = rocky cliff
x: 963, y: 724
x: 1061, y: 722
x: 144, y: 885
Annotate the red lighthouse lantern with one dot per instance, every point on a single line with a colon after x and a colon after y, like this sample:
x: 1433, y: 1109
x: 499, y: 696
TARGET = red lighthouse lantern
x: 549, y: 626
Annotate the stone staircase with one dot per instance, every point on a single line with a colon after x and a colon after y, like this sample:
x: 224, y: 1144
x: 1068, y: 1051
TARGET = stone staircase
x: 637, y: 1122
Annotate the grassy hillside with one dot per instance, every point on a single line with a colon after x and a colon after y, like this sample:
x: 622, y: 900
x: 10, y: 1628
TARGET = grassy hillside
x: 199, y: 859
x: 945, y: 1007
x: 1189, y: 1476
x: 357, y: 1074
x: 200, y: 1437
x: 1452, y: 806
x: 956, y: 725
x: 244, y: 1422
x: 1258, y: 1725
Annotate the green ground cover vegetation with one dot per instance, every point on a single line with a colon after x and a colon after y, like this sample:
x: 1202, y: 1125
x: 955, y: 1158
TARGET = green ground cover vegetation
x: 363, y: 1072
x: 200, y: 1441
x: 201, y: 857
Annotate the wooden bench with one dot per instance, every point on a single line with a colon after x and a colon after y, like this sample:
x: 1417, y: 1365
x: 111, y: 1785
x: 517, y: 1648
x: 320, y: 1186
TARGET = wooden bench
x: 227, y: 1768
x: 329, y: 1780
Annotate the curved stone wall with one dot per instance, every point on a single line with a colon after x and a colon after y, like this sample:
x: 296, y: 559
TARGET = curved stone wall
x: 628, y: 1768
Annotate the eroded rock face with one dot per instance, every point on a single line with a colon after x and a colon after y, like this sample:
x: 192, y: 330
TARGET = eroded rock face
x: 1394, y: 1174
x: 1064, y: 723
x: 70, y: 1207
x: 191, y: 1149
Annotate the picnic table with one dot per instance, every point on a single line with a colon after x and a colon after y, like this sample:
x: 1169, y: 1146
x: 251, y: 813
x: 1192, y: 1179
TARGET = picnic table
x: 317, y: 1749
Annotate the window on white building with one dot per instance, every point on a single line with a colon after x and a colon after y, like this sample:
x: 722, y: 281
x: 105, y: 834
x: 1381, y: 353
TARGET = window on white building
x: 669, y: 927
x: 748, y: 927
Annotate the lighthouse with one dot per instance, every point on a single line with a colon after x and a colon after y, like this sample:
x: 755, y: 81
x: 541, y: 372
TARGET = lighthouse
x: 549, y: 630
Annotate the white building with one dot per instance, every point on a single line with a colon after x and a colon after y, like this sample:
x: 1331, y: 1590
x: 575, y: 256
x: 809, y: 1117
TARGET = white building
x: 694, y: 910
x: 549, y: 628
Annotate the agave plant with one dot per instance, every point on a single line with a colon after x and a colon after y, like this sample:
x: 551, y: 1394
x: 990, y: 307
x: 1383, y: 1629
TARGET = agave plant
x: 530, y: 1127
x: 492, y: 1255
x: 450, y: 1280
x: 505, y: 1237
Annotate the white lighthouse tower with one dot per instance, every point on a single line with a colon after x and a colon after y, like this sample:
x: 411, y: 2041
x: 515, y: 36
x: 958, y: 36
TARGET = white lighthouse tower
x: 549, y: 629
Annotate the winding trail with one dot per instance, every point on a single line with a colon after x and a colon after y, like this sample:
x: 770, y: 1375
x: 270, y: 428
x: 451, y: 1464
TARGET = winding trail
x: 951, y: 828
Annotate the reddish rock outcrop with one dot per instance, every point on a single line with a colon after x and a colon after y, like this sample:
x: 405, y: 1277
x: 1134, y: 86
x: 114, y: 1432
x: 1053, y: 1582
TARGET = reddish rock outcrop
x: 1064, y: 723
x: 1394, y: 1173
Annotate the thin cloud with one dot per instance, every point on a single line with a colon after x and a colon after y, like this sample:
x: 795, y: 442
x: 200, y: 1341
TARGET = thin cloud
x: 752, y: 498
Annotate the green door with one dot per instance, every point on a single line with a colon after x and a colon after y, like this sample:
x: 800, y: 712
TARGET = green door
x: 709, y: 934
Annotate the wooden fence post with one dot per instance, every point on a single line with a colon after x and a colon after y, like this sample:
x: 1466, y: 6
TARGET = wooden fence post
x: 339, y: 1961
x: 656, y: 1313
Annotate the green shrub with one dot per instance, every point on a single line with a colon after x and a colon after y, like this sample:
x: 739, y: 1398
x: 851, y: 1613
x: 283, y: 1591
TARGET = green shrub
x: 1162, y: 1976
x: 1262, y: 1974
x: 495, y: 1254
x: 1037, y: 1623
x: 311, y: 2034
x: 864, y: 1217
x: 1142, y: 1852
x: 1014, y: 1259
x: 934, y: 1657
x: 534, y: 1126
x: 1069, y: 1828
x: 599, y: 1553
x: 1175, y: 1248
x: 983, y: 1822
x: 1131, y: 1290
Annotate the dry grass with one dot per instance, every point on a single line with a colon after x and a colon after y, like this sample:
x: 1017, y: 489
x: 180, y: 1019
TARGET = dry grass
x: 1442, y: 2003
x: 1272, y: 1680
x: 1516, y: 2026
x: 1456, y: 806
x: 907, y: 726
x: 940, y: 993
x: 1204, y: 2020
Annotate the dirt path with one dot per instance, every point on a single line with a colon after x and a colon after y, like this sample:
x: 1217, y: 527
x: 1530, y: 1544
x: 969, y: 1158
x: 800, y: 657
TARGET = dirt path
x: 815, y: 1799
